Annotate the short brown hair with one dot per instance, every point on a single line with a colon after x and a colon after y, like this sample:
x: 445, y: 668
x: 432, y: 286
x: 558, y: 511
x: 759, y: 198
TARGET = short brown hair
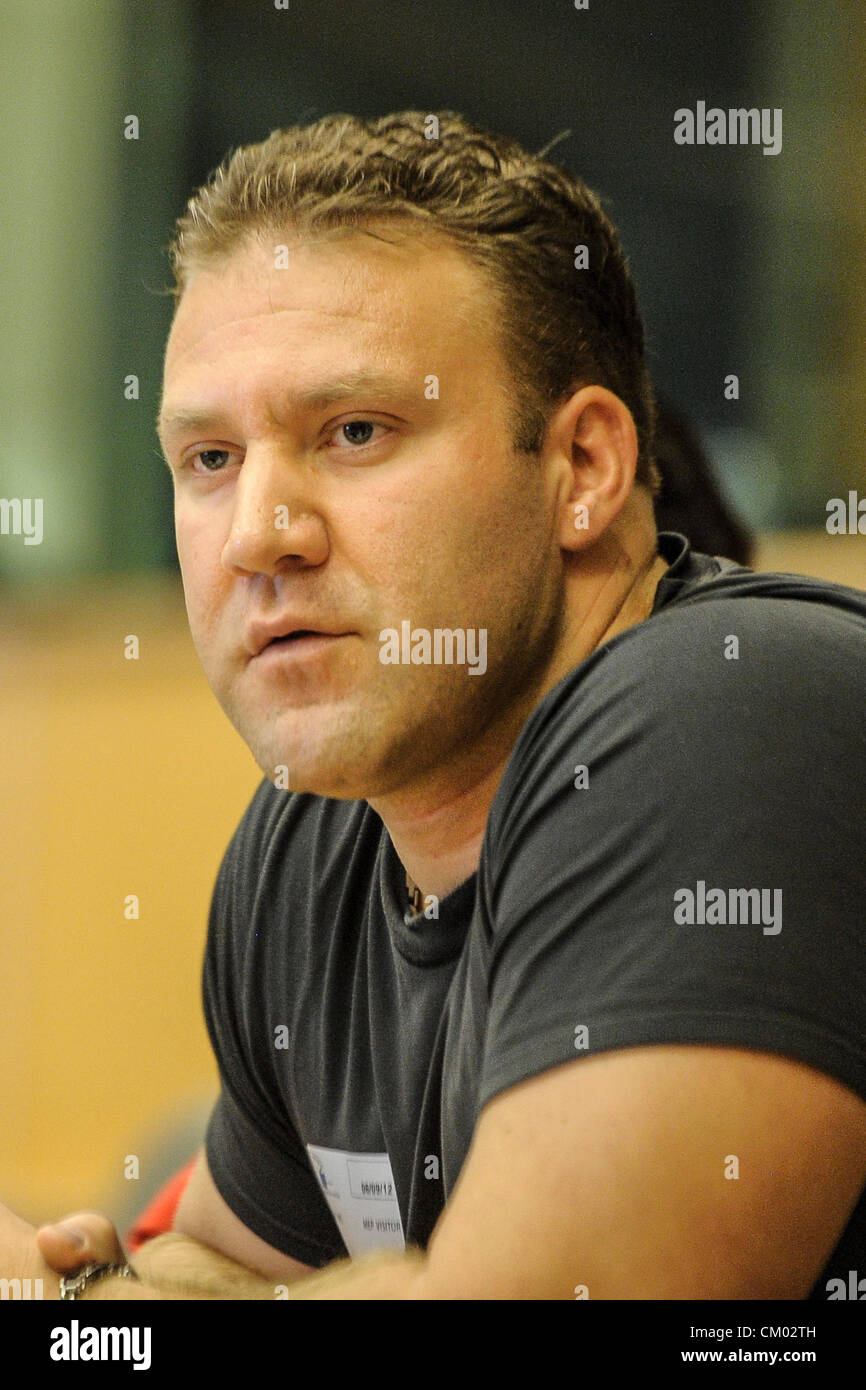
x: 520, y: 218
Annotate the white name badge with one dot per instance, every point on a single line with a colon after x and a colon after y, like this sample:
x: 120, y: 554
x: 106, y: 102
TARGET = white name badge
x: 359, y: 1189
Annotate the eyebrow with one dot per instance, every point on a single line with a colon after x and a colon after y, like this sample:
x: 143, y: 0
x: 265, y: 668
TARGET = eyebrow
x: 316, y: 398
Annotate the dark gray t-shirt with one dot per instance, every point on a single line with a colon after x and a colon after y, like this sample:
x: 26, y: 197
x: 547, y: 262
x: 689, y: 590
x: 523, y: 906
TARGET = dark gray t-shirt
x: 723, y: 743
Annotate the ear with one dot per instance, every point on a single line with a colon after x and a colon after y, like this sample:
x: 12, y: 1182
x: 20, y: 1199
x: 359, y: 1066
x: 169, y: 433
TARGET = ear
x: 595, y: 438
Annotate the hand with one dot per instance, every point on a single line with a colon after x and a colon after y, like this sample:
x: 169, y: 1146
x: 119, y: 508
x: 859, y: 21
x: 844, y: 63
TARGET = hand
x: 80, y: 1239
x: 21, y: 1257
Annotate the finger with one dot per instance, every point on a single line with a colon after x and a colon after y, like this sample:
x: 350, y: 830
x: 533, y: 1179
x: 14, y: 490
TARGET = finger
x: 78, y: 1240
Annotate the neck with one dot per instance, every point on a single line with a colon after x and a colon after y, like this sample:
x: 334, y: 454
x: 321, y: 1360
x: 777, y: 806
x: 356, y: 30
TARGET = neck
x: 437, y: 826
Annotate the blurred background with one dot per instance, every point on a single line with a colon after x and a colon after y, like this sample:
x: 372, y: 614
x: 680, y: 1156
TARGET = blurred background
x: 122, y: 779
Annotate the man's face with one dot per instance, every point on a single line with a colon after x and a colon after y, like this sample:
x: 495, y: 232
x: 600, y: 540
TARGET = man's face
x: 339, y: 436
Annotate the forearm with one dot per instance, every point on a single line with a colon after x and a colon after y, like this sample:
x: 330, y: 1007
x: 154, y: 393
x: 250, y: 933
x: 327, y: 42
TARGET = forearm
x: 385, y: 1274
x: 176, y: 1267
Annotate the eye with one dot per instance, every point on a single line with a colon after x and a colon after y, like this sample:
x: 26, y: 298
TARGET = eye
x: 212, y: 460
x: 355, y: 432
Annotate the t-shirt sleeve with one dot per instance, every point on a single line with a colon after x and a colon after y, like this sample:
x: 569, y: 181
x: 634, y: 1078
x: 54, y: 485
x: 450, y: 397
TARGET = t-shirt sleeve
x: 255, y: 1155
x: 673, y: 764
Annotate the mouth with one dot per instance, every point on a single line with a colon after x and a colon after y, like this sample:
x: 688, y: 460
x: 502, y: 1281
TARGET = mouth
x: 298, y: 645
x: 295, y: 636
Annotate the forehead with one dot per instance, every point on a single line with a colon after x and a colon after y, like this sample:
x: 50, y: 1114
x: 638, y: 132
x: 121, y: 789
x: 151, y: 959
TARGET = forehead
x: 326, y: 300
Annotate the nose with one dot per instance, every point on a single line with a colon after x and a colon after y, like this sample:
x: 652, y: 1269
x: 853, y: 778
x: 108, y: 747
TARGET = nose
x: 273, y: 520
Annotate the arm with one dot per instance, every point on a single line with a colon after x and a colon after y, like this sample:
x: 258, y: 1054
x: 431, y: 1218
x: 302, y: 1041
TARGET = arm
x: 211, y: 1254
x: 609, y: 1174
x: 205, y: 1218
x: 191, y: 1273
x: 208, y: 1254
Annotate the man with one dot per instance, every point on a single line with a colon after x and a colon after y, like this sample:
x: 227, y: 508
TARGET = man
x: 534, y: 967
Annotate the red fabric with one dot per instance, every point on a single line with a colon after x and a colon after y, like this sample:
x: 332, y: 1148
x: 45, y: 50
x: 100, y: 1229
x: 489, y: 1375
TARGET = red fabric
x: 158, y: 1216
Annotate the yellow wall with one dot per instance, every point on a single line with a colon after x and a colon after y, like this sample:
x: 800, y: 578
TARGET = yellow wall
x: 119, y: 777
x: 125, y: 777
x: 841, y: 559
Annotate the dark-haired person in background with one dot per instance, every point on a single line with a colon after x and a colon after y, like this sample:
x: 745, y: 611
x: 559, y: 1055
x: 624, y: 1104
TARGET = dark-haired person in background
x: 543, y: 978
x: 690, y: 500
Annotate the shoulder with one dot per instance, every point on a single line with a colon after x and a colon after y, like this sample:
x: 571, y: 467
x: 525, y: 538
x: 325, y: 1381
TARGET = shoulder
x: 740, y: 684
x: 743, y: 636
x: 781, y: 615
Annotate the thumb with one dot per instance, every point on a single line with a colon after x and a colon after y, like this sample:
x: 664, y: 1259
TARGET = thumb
x: 84, y: 1238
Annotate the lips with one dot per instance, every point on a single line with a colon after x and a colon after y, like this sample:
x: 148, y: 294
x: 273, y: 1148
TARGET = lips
x: 260, y: 636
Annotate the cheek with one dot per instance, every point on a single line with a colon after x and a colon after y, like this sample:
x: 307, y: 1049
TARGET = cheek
x: 199, y: 551
x: 496, y: 525
x: 191, y: 535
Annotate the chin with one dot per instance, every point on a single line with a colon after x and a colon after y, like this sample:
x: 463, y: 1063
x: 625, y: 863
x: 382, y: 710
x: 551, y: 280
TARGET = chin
x: 330, y: 775
x: 325, y: 750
